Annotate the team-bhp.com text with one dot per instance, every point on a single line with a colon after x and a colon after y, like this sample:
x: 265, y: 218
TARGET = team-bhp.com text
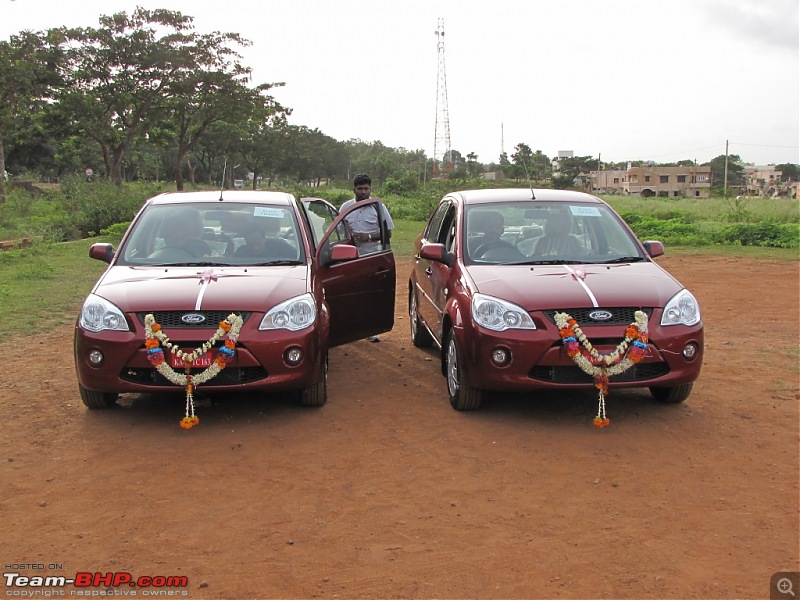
x: 95, y: 584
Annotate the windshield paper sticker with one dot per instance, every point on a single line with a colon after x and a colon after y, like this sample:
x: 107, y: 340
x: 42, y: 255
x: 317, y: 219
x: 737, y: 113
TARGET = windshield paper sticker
x: 584, y: 211
x: 263, y: 211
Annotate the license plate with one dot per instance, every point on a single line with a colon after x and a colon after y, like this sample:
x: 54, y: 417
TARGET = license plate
x: 201, y: 362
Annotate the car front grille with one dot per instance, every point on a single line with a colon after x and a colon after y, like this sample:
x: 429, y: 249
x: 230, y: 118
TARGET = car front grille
x: 619, y: 316
x: 228, y: 376
x: 172, y: 319
x: 574, y: 375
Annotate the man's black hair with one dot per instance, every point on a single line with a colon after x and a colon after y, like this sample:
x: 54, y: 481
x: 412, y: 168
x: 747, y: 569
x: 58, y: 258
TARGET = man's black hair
x: 361, y: 179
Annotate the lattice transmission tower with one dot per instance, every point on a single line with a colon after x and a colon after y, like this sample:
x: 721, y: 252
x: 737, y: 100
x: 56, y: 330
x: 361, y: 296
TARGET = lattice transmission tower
x: 441, y: 142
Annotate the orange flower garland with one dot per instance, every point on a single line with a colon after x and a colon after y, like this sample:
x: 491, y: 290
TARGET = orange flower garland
x: 628, y: 352
x: 155, y: 338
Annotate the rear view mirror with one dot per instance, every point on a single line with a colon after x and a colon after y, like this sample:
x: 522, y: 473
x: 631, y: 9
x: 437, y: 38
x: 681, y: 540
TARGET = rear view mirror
x: 653, y: 248
x: 436, y: 252
x: 104, y: 252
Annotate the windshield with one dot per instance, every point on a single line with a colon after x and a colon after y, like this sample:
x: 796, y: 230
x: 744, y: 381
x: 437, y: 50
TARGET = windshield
x: 538, y: 232
x: 203, y: 234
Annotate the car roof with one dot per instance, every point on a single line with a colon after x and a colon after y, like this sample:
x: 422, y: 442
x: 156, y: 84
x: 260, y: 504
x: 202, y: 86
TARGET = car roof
x: 246, y: 196
x: 488, y: 196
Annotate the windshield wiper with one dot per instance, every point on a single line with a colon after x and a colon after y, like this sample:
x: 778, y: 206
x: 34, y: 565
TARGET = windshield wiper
x: 272, y: 263
x: 560, y: 261
x: 622, y: 259
x: 188, y: 264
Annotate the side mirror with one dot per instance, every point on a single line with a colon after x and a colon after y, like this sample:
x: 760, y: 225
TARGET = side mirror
x: 436, y: 252
x: 104, y: 252
x: 343, y: 252
x: 653, y: 248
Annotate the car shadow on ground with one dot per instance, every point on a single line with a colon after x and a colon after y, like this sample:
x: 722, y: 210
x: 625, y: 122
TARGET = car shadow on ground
x: 567, y: 408
x: 214, y: 410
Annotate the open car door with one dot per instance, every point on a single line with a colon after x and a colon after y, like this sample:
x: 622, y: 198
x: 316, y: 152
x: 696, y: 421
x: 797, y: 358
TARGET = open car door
x: 359, y: 290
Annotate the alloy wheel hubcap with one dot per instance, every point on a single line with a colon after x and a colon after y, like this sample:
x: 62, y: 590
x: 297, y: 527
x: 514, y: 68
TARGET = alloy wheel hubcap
x: 452, y: 369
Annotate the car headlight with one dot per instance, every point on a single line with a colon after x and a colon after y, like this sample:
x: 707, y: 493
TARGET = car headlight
x: 99, y: 314
x: 682, y: 309
x: 499, y: 315
x: 295, y: 314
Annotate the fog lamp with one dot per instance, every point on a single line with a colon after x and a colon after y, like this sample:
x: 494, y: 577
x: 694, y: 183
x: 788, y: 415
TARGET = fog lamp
x: 501, y: 357
x: 689, y: 351
x: 96, y: 358
x: 293, y: 356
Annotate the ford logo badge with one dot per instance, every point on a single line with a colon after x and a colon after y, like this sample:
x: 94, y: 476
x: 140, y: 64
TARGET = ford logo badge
x: 193, y: 318
x: 600, y: 315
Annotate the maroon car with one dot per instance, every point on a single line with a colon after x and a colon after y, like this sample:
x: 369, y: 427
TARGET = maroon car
x: 529, y: 289
x: 283, y: 271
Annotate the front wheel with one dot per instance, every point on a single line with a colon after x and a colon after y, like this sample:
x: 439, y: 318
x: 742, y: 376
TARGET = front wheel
x: 419, y: 335
x: 92, y: 399
x: 672, y: 395
x: 316, y: 394
x: 462, y: 395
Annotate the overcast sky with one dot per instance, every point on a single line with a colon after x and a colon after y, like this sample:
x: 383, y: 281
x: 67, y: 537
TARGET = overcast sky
x: 626, y: 79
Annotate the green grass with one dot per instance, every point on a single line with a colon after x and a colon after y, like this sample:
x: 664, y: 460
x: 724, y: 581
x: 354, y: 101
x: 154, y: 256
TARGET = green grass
x: 44, y: 286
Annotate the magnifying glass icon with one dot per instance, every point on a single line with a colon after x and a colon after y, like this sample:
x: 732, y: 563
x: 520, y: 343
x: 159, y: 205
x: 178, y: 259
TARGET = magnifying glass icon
x: 784, y: 586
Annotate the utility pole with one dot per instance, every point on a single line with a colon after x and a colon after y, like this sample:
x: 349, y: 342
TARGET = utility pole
x: 725, y: 182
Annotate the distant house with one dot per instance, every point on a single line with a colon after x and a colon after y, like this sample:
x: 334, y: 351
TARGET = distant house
x: 668, y: 182
x: 556, y: 162
x: 762, y: 181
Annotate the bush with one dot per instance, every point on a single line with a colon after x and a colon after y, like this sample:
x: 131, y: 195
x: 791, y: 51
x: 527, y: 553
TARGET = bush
x: 775, y: 235
x: 100, y: 204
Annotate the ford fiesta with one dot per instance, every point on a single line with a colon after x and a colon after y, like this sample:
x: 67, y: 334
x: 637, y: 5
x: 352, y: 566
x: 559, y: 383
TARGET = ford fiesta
x: 260, y: 284
x: 526, y: 290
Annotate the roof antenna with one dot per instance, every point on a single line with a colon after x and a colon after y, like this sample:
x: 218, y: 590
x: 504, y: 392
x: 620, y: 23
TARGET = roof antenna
x: 222, y: 187
x: 528, y: 175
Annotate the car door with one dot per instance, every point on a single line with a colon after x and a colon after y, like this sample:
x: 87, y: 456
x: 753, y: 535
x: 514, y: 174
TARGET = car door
x: 359, y: 291
x: 433, y: 276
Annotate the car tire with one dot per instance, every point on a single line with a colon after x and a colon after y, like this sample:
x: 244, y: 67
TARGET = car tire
x: 671, y: 395
x: 92, y: 399
x: 462, y: 395
x: 317, y: 394
x: 420, y: 336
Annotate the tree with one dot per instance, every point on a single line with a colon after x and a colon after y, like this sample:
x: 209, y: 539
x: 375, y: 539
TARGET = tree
x: 122, y: 75
x: 28, y: 71
x: 473, y: 167
x: 541, y: 166
x: 789, y: 172
x: 735, y: 171
x: 211, y: 97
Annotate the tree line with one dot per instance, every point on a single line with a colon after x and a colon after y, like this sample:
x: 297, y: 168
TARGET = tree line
x: 144, y: 96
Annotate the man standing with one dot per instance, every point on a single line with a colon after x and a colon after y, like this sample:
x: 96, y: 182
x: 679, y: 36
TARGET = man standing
x: 364, y: 224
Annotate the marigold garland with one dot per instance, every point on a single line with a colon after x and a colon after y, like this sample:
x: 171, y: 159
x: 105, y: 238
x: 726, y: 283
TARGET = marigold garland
x: 156, y: 340
x: 629, y: 351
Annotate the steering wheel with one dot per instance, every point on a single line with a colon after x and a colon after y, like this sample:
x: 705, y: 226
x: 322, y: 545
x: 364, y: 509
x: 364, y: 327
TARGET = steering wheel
x: 490, y: 245
x: 172, y: 253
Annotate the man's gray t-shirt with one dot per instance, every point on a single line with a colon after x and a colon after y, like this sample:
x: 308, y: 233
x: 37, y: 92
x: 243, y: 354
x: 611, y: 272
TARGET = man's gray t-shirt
x: 366, y: 221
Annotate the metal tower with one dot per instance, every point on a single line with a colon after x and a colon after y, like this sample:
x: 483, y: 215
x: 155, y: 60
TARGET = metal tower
x: 441, y: 142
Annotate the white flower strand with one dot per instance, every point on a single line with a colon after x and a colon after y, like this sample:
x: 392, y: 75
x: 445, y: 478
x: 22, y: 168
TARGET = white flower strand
x: 611, y: 362
x: 173, y: 376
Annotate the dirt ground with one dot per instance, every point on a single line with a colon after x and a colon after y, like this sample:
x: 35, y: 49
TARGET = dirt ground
x: 387, y: 492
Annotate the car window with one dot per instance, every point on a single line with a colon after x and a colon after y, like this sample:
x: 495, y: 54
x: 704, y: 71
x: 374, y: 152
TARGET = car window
x: 432, y: 231
x: 203, y: 233
x: 320, y: 216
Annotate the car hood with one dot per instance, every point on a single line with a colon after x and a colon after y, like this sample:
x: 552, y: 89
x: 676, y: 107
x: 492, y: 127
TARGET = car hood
x: 576, y: 286
x: 135, y: 289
